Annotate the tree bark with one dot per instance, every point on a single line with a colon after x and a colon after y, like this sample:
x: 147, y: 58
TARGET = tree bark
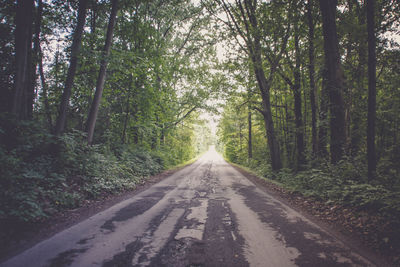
x: 311, y: 71
x: 335, y: 79
x: 44, y: 91
x: 34, y: 61
x: 249, y: 120
x: 94, y: 108
x: 93, y: 24
x: 23, y: 47
x: 283, y: 127
x: 357, y: 112
x: 297, y: 104
x: 264, y: 86
x: 249, y: 138
x: 273, y: 144
x: 348, y: 93
x: 371, y: 153
x: 75, y: 48
x: 126, y: 120
x: 127, y: 110
x: 253, y: 45
x: 323, y: 118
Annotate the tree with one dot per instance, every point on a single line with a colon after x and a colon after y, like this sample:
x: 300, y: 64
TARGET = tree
x: 249, y: 125
x: 34, y: 59
x: 334, y: 79
x: 75, y: 48
x: 23, y: 54
x: 245, y: 15
x: 91, y: 121
x: 297, y: 101
x: 371, y: 153
x: 323, y: 117
x: 295, y: 86
x: 311, y: 74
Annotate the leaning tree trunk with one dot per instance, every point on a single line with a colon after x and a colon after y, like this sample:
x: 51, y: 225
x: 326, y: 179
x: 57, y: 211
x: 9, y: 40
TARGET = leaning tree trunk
x: 335, y: 79
x: 94, y: 108
x: 273, y: 144
x: 253, y: 42
x: 23, y: 45
x: 264, y: 86
x: 371, y: 153
x: 75, y: 48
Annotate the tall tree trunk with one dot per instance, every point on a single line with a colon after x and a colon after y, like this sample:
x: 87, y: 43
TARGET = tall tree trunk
x: 44, y: 91
x: 305, y: 110
x: 357, y: 112
x: 240, y: 136
x: 283, y: 127
x: 93, y: 24
x: 335, y: 79
x: 252, y: 37
x: 23, y: 47
x: 371, y: 153
x: 273, y: 144
x: 249, y: 122
x: 34, y: 61
x: 311, y: 71
x: 323, y: 118
x: 348, y: 93
x: 249, y: 138
x: 93, y: 69
x: 75, y: 48
x: 162, y: 136
x: 94, y: 108
x: 289, y: 135
x: 126, y: 120
x: 264, y: 87
x: 297, y: 104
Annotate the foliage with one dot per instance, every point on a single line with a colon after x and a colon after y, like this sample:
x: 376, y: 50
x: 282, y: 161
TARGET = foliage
x: 158, y: 80
x: 345, y: 183
x: 339, y: 184
x: 42, y: 174
x: 162, y: 70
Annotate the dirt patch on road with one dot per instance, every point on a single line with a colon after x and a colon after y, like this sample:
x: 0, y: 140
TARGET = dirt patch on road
x: 16, y: 238
x: 359, y: 232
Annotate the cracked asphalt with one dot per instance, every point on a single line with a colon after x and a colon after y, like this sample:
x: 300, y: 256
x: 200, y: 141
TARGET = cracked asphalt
x: 207, y: 214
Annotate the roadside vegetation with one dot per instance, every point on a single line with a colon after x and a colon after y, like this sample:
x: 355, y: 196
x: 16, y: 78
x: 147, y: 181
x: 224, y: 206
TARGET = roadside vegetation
x: 314, y: 107
x: 43, y: 174
x: 95, y: 97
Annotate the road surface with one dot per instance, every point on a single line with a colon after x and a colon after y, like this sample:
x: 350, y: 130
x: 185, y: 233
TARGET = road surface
x: 207, y: 214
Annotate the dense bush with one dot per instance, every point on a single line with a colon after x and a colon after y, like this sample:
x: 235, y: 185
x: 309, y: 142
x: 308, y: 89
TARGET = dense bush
x: 42, y: 174
x: 344, y: 184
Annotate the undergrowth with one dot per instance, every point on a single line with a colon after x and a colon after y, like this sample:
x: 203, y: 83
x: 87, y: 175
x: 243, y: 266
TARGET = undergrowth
x: 41, y: 174
x: 345, y: 185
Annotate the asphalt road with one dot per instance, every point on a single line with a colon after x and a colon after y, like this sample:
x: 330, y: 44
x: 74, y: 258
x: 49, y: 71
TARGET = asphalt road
x: 207, y: 214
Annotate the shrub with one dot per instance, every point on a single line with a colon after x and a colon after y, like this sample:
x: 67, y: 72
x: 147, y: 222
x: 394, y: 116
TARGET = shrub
x: 42, y: 174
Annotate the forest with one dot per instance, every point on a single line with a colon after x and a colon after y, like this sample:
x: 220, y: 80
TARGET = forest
x: 314, y: 105
x: 97, y: 95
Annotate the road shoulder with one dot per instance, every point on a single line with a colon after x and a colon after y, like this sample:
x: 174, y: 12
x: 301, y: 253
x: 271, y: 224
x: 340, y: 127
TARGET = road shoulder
x: 316, y: 212
x: 28, y: 235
